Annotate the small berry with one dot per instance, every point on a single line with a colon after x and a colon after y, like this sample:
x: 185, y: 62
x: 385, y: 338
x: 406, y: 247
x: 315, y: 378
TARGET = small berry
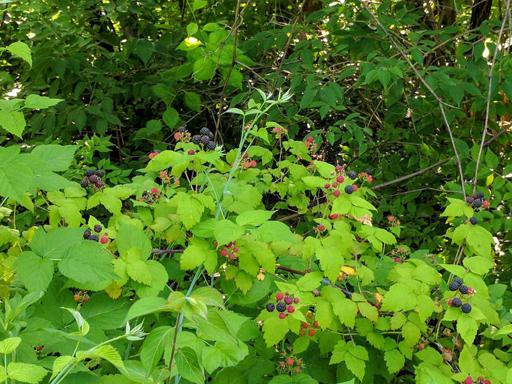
x: 340, y: 179
x: 349, y: 189
x: 339, y: 168
x: 98, y: 228
x: 282, y: 315
x: 253, y: 163
x: 336, y: 193
x: 335, y: 184
x: 397, y: 259
x: 77, y: 298
x: 454, y: 285
x: 315, y: 324
x: 320, y: 228
x: 270, y: 307
x: 281, y: 307
x: 205, y: 139
x: 94, y: 179
x: 477, y: 203
x: 466, y: 308
x: 87, y: 233
x: 288, y: 300
x: 352, y: 175
x: 93, y: 238
x: 354, y: 187
x: 470, y: 291
x: 232, y: 256
x: 486, y: 382
x: 309, y: 140
x: 311, y: 332
x: 153, y: 154
x: 191, y: 152
x: 224, y: 252
x: 468, y: 380
x: 369, y: 178
x: 473, y: 220
x: 486, y: 204
x: 479, y: 195
x: 290, y: 309
x: 463, y: 289
x: 456, y: 302
x: 327, y: 186
x: 296, y: 300
x: 211, y: 145
x: 333, y: 216
x: 205, y: 131
x: 470, y: 199
x: 305, y: 325
x: 84, y: 183
x: 104, y: 239
x: 458, y: 280
x: 196, y: 139
x: 279, y: 296
x: 154, y: 191
x: 99, y: 173
x: 290, y: 361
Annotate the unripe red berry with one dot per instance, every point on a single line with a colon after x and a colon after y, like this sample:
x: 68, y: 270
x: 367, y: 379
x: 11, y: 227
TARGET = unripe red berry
x: 279, y: 296
x: 305, y: 325
x: 104, y: 239
x: 253, y: 163
x: 354, y: 187
x: 486, y: 204
x: 309, y: 140
x: 315, y: 324
x: 397, y: 259
x: 320, y: 228
x: 191, y: 152
x: 224, y: 252
x: 339, y: 168
x: 290, y: 361
x: 296, y: 300
x: 335, y: 184
x: 311, y: 332
x: 336, y: 192
x: 154, y: 191
x: 369, y: 178
x: 288, y: 300
x: 333, y: 216
x: 340, y: 179
x: 468, y: 380
x: 290, y: 309
x: 77, y: 298
x: 282, y: 315
x: 470, y: 291
x: 235, y: 249
x: 327, y: 186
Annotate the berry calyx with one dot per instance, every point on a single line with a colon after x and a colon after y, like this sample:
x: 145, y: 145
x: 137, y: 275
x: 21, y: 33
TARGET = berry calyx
x: 104, y: 239
x: 466, y: 308
x: 279, y: 296
x: 282, y: 315
x: 270, y: 307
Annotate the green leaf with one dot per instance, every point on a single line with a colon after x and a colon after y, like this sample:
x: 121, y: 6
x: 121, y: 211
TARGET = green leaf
x: 88, y: 263
x: 394, y: 360
x: 171, y: 117
x: 310, y: 281
x: 35, y: 272
x: 368, y: 311
x: 159, y: 278
x: 154, y: 345
x: 300, y: 378
x: 26, y: 373
x: 131, y: 237
x: 274, y: 330
x: 55, y: 158
x: 196, y: 254
x: 314, y: 181
x: 198, y: 4
x: 398, y: 298
x: 226, y: 231
x: 208, y: 296
x: 9, y: 345
x: 478, y: 264
x: 40, y: 102
x: 138, y: 270
x: 188, y: 365
x: 274, y: 231
x: 457, y: 208
x: 192, y: 101
x: 105, y: 352
x: 145, y: 306
x: 204, y: 69
x: 467, y: 328
x: 13, y: 122
x: 254, y: 217
x: 21, y: 50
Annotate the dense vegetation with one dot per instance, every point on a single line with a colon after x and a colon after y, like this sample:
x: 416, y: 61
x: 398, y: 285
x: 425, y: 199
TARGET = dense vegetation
x: 255, y: 192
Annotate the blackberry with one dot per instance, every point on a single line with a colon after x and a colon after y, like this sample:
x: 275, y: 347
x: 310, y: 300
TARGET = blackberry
x: 479, y: 195
x: 94, y: 179
x: 458, y: 280
x: 205, y: 131
x: 477, y: 203
x: 182, y: 129
x: 463, y: 289
x: 84, y: 183
x: 196, y: 139
x: 99, y: 173
x: 456, y: 302
x: 466, y: 308
x: 349, y: 189
x: 89, y: 172
x: 98, y: 228
x: 93, y: 238
x: 352, y: 175
x: 470, y: 199
x: 281, y: 306
x: 473, y: 220
x: 87, y: 233
x: 211, y: 145
x: 205, y: 139
x: 454, y: 285
x: 270, y: 307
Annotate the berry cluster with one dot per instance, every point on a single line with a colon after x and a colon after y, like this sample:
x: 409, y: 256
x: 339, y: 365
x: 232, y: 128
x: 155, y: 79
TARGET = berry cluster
x: 340, y: 178
x: 89, y: 235
x: 182, y: 135
x: 458, y: 285
x: 93, y: 178
x: 279, y: 131
x: 309, y: 328
x: 205, y: 138
x: 230, y: 251
x: 284, y: 304
x: 81, y: 297
x: 392, y: 220
x: 477, y: 201
x: 247, y: 162
x: 480, y: 380
x: 366, y: 175
x: 149, y: 197
x: 290, y: 364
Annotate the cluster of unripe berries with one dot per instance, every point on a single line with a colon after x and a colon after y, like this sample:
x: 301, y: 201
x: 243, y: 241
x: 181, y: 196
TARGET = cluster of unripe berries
x: 284, y: 304
x: 89, y: 235
x: 307, y: 328
x: 247, y: 162
x: 182, y: 135
x: 205, y: 138
x: 477, y: 201
x: 150, y: 196
x: 458, y: 285
x: 81, y: 297
x: 480, y: 380
x: 291, y: 364
x: 93, y: 178
x: 230, y: 251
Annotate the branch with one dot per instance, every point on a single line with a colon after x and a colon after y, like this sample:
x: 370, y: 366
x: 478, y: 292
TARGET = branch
x: 489, y: 94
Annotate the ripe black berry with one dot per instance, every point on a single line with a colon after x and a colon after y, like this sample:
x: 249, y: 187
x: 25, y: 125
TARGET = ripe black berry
x: 87, y: 233
x: 470, y: 199
x: 211, y: 145
x: 349, y: 189
x: 205, y: 131
x: 93, y: 238
x: 196, y: 139
x: 98, y: 228
x: 99, y: 173
x: 270, y: 307
x: 281, y: 306
x: 473, y: 220
x: 466, y: 308
x: 182, y: 129
x: 463, y: 289
x: 458, y: 280
x: 94, y: 179
x: 477, y: 203
x: 205, y: 139
x: 89, y: 172
x: 454, y: 285
x: 456, y: 302
x: 352, y: 175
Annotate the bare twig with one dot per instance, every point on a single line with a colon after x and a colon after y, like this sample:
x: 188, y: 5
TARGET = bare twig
x: 489, y: 94
x: 411, y: 175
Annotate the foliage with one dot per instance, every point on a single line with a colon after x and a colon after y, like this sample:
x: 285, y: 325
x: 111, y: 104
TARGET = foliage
x: 138, y: 247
